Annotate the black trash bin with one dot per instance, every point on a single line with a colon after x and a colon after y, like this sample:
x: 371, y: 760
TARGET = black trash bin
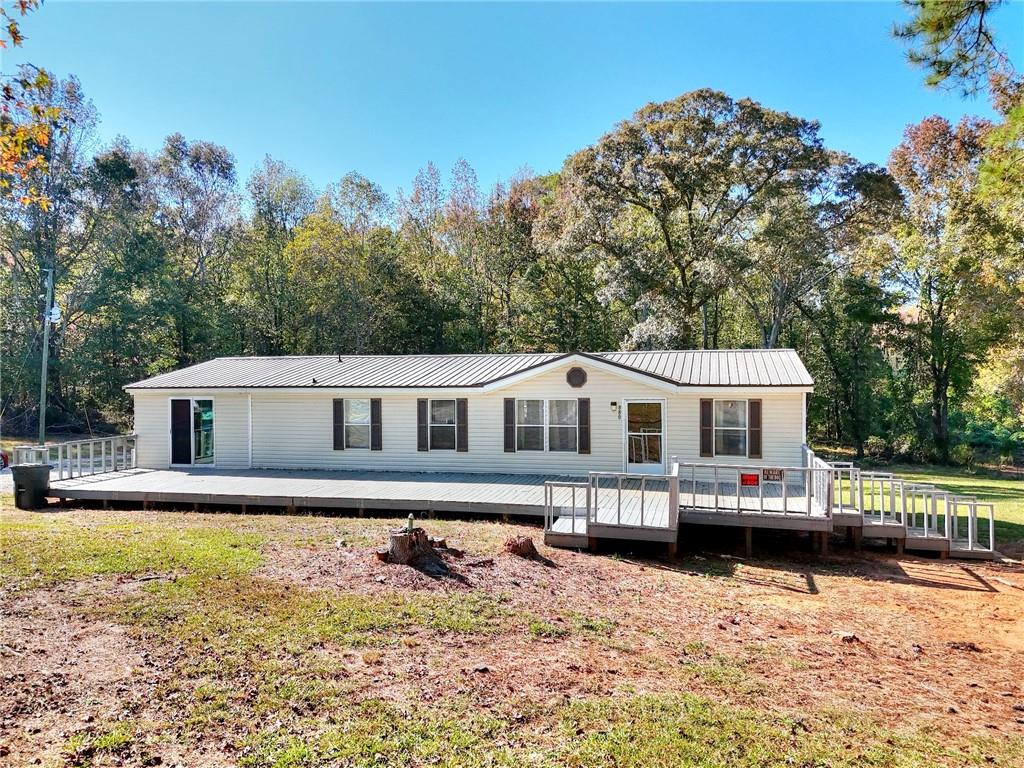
x: 31, y: 482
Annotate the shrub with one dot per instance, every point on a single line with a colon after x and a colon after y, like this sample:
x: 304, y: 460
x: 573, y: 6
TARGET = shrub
x: 876, y: 447
x: 963, y: 455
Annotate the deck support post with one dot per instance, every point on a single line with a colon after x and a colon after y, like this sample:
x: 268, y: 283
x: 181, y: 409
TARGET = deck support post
x: 195, y: 506
x: 592, y: 543
x: 504, y: 517
x: 823, y: 540
x: 146, y: 505
x: 899, y: 546
x: 748, y: 541
x: 673, y: 549
x: 290, y: 509
x: 854, y: 536
x: 106, y: 503
x: 245, y: 509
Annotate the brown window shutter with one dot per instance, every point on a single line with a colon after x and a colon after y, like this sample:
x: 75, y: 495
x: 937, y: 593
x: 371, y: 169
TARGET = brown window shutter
x: 375, y: 428
x: 339, y: 424
x: 583, y: 419
x: 510, y: 425
x: 422, y: 439
x: 707, y: 427
x: 462, y: 425
x: 754, y: 429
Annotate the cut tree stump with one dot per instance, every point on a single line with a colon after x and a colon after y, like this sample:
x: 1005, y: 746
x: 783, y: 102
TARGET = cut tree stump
x: 521, y: 546
x: 413, y: 548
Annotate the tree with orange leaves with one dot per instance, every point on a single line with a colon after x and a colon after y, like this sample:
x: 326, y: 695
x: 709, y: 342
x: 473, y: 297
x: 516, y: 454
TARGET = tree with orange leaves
x: 25, y: 127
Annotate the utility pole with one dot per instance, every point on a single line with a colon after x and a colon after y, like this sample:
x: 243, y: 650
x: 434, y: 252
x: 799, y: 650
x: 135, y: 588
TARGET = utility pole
x: 46, y: 355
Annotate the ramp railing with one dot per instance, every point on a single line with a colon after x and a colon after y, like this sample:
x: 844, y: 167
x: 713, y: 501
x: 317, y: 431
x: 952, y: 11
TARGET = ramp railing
x: 922, y: 510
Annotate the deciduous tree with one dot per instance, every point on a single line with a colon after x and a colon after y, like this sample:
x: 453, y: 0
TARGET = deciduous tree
x: 663, y: 201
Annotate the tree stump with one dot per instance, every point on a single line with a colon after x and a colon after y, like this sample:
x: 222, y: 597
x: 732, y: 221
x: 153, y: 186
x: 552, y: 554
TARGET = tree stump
x: 413, y: 547
x: 522, y: 546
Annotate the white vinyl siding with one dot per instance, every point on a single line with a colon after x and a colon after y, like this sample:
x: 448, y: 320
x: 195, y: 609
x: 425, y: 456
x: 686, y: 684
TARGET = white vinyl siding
x: 230, y: 428
x: 782, y: 420
x: 294, y: 429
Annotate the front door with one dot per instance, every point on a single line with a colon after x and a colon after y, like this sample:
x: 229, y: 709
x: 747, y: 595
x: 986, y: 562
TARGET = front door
x: 645, y: 436
x: 181, y: 431
x: 191, y: 431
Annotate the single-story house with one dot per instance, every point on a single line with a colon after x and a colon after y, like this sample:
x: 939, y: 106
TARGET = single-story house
x: 610, y: 445
x: 570, y: 413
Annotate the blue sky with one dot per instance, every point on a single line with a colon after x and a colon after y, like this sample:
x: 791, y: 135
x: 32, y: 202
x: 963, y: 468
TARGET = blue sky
x: 382, y: 88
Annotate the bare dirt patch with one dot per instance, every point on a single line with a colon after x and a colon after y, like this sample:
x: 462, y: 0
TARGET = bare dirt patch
x: 61, y: 673
x: 940, y: 641
x: 68, y: 680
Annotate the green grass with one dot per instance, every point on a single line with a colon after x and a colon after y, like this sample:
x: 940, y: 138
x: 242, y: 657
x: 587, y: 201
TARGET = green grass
x: 541, y: 628
x: 625, y: 732
x: 82, y: 747
x: 655, y: 731
x: 225, y: 623
x: 45, y: 550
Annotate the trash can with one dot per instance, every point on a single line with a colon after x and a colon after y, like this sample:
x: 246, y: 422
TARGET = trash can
x: 31, y: 482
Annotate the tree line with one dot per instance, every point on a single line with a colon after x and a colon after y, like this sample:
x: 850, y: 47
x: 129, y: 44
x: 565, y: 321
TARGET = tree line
x: 706, y: 221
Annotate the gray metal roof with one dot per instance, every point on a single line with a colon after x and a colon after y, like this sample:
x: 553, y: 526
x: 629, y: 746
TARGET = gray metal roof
x: 747, y: 367
x: 720, y: 367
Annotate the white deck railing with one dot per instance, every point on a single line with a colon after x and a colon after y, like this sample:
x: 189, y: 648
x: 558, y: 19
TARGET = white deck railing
x: 78, y: 458
x: 748, y: 489
x: 556, y: 494
x: 620, y: 499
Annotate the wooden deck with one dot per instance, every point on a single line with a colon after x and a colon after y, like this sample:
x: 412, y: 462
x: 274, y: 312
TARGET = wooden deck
x: 400, y: 491
x: 630, y: 513
x: 637, y: 514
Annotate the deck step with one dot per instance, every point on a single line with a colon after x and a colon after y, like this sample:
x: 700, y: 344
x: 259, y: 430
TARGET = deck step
x: 926, y: 543
x: 566, y: 540
x: 959, y: 549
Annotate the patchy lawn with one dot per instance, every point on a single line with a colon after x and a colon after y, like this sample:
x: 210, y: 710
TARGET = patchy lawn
x: 134, y: 638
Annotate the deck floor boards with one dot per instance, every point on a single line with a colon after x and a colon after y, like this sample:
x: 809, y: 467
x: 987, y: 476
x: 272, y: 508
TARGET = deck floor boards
x: 486, y: 493
x: 402, y: 490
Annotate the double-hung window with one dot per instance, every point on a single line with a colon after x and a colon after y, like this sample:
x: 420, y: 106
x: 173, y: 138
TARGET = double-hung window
x: 550, y: 425
x: 357, y: 423
x: 730, y: 427
x: 529, y: 425
x: 442, y: 425
x: 563, y: 423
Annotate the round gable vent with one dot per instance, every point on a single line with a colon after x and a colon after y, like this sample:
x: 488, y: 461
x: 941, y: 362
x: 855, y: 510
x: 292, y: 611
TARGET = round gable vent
x: 576, y: 377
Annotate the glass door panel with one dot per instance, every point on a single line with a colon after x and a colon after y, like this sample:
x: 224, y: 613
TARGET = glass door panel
x: 202, y: 431
x: 644, y: 437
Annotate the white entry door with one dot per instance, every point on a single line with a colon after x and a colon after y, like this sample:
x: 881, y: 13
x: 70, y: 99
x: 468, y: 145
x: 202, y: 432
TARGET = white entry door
x: 645, y: 436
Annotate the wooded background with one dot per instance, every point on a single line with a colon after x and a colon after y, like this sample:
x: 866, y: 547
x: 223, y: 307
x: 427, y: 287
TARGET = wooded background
x: 707, y: 221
